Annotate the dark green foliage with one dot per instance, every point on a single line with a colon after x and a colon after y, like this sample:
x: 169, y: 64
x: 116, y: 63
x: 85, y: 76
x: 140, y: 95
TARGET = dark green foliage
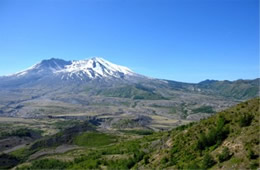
x: 146, y: 159
x: 121, y: 164
x: 214, y: 136
x: 8, y: 161
x: 164, y: 160
x: 225, y: 155
x: 203, y: 109
x: 245, y: 120
x: 252, y: 154
x: 192, y: 165
x: 208, y: 161
x: 94, y: 139
x: 91, y: 162
x: 22, y: 132
x: 202, y: 141
x: 138, y: 156
x: 254, y: 165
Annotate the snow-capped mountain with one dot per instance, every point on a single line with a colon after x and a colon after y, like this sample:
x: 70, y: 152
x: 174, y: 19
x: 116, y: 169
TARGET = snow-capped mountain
x: 82, y: 69
x: 60, y: 73
x: 94, y: 68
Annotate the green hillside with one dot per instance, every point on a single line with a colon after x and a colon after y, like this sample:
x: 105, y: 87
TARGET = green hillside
x: 240, y: 89
x: 137, y: 91
x: 229, y: 139
x: 226, y: 140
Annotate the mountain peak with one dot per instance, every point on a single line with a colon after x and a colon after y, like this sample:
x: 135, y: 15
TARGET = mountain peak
x: 53, y: 63
x: 44, y: 67
x: 95, y: 67
x: 96, y: 58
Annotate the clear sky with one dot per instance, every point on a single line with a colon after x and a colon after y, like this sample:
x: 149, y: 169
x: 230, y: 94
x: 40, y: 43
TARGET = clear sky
x: 183, y: 40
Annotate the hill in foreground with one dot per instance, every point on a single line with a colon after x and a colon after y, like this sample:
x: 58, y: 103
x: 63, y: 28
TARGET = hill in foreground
x: 227, y: 140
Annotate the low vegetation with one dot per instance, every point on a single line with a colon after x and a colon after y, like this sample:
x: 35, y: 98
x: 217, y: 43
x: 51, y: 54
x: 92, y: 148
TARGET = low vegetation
x: 22, y: 132
x: 136, y: 92
x: 138, y: 132
x: 229, y: 139
x: 240, y: 89
x: 204, y: 109
x: 217, y: 141
x: 94, y: 139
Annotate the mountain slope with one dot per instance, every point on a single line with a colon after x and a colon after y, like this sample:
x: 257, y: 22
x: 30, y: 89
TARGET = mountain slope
x: 227, y: 140
x: 240, y: 89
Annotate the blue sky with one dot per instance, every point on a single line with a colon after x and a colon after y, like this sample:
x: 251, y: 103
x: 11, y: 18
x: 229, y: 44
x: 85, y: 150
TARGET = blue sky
x: 183, y: 40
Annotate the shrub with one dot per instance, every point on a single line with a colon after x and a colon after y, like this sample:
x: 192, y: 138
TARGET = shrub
x: 203, y: 109
x: 254, y: 165
x: 225, y: 155
x: 192, y: 165
x: 49, y: 164
x: 214, y: 136
x: 251, y: 154
x: 164, y: 160
x: 146, y: 159
x: 202, y: 142
x: 208, y: 161
x: 245, y: 120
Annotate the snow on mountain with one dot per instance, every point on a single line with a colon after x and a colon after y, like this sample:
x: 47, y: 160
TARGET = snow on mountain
x: 82, y: 69
x: 95, y: 67
x: 44, y: 67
